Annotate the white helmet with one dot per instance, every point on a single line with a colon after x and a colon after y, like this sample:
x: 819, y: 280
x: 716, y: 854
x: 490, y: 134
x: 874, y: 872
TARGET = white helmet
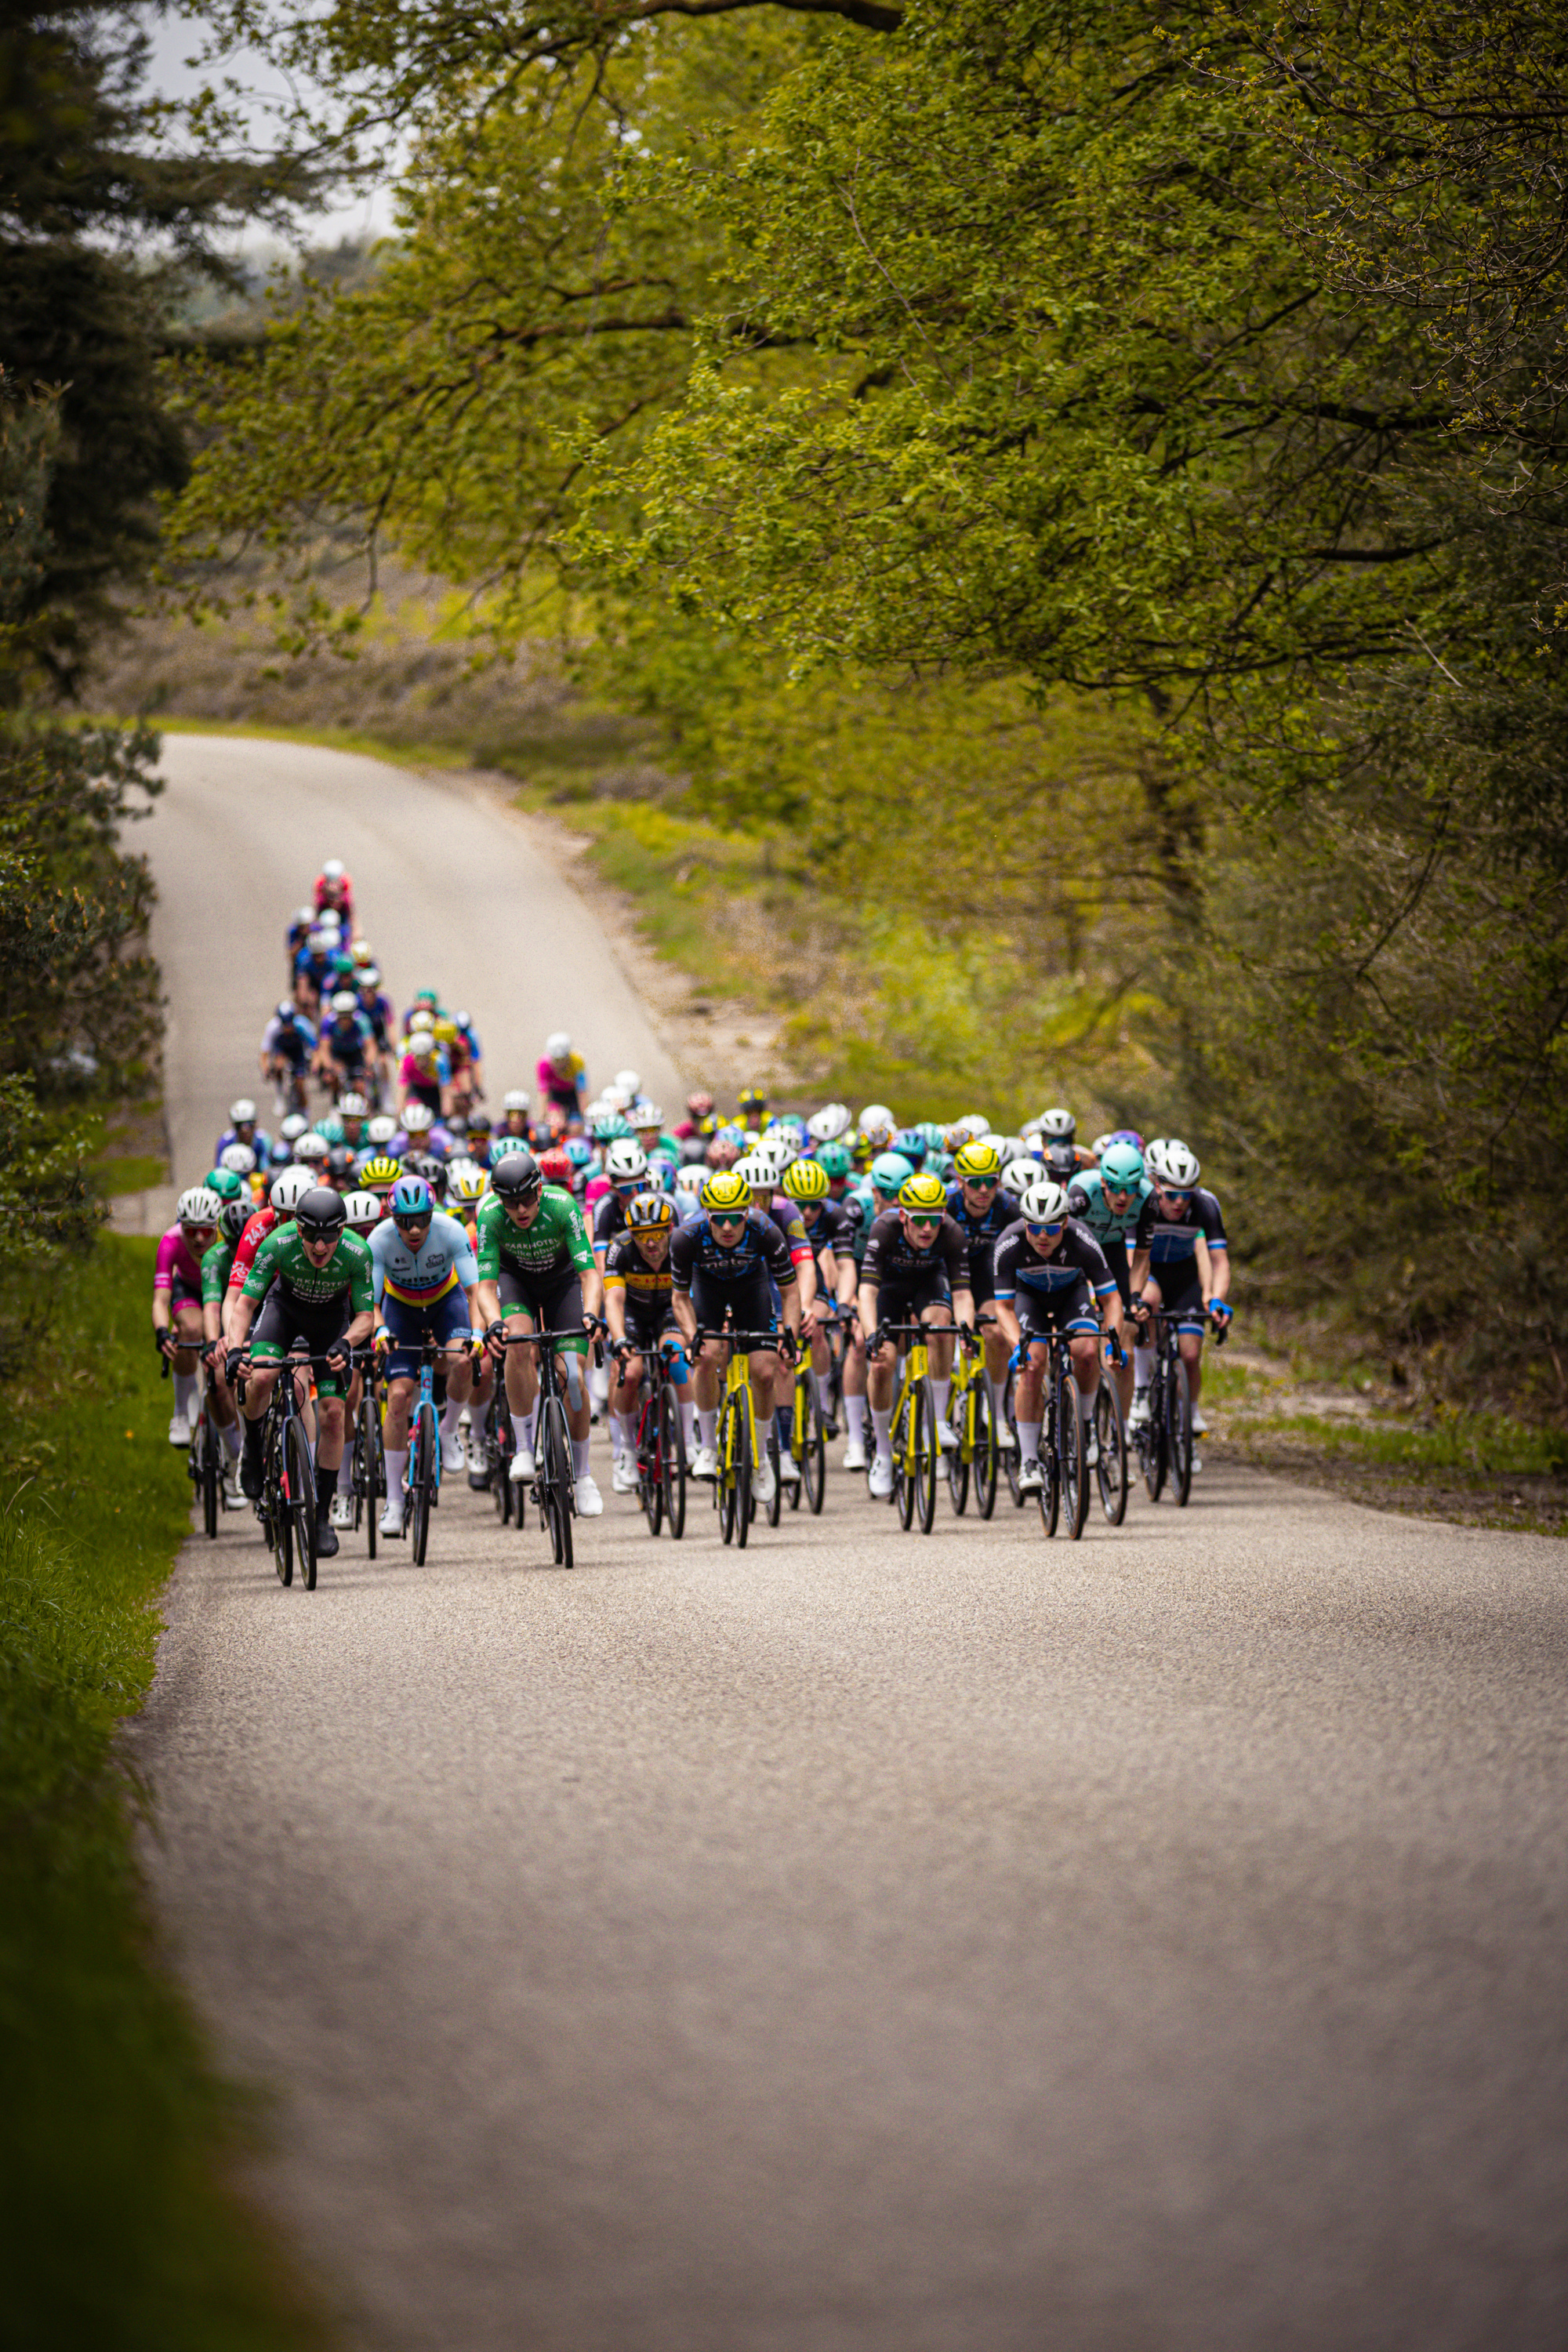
x: 615, y: 1097
x: 332, y: 871
x: 310, y: 1146
x: 557, y: 1045
x: 417, y: 1118
x: 1043, y: 1201
x: 352, y: 1106
x: 781, y: 1150
x: 625, y: 1162
x: 998, y: 1144
x: 1170, y: 1162
x: 877, y: 1119
x: 760, y: 1171
x: 1017, y: 1175
x: 242, y: 1112
x: 293, y: 1127
x: 345, y: 1001
x: 647, y: 1115
x: 239, y: 1158
x: 466, y: 1179
x: 421, y: 1022
x: 1101, y: 1146
x: 829, y: 1123
x: 422, y: 1045
x: 1030, y: 1127
x: 974, y: 1123
x: 199, y: 1206
x: 321, y: 939
x: 381, y: 1128
x: 1059, y: 1125
x: 515, y: 1099
x: 629, y: 1084
x: 690, y: 1176
x: 290, y: 1189
x: 362, y: 1209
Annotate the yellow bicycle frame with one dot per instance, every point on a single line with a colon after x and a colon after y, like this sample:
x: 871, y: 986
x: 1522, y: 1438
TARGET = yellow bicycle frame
x: 736, y: 1383
x: 917, y: 1363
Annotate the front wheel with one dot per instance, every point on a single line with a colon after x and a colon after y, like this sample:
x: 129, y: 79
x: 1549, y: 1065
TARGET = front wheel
x: 651, y: 1465
x: 1179, y: 1432
x: 672, y: 1460
x: 958, y: 1454
x: 742, y: 1475
x: 371, y: 1484
x: 421, y: 1479
x: 924, y: 1466
x: 302, y: 1503
x: 1075, y: 1479
x: 1050, y: 1470
x: 776, y: 1508
x: 1112, y: 1468
x: 210, y: 1443
x: 1012, y: 1463
x: 987, y: 1463
x: 556, y: 1461
x: 1152, y: 1437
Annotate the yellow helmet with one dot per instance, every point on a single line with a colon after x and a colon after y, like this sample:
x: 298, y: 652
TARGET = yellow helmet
x: 978, y: 1158
x: 379, y: 1175
x: 726, y: 1191
x: 805, y: 1181
x: 924, y: 1194
x: 447, y: 1032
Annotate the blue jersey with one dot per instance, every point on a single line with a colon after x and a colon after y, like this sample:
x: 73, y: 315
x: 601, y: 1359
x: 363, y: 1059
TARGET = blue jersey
x: 261, y: 1143
x: 444, y: 1259
x: 1170, y: 1237
x: 1086, y: 1199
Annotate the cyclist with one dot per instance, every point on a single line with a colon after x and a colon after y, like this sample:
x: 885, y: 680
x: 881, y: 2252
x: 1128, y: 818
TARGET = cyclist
x: 1181, y: 1261
x: 346, y: 1046
x: 626, y: 1174
x: 287, y: 1043
x: 536, y: 1263
x: 639, y: 1289
x: 177, y: 1297
x: 698, y: 1120
x: 242, y: 1128
x: 217, y: 1265
x: 335, y: 892
x: 763, y: 1169
x: 562, y: 1078
x: 733, y: 1256
x: 514, y: 1120
x: 287, y: 1191
x: 916, y: 1267
x: 315, y: 968
x: 983, y: 1209
x: 424, y: 1074
x: 321, y: 1286
x: 1060, y: 1126
x: 353, y: 1115
x: 1050, y: 1274
x: 832, y: 1239
x: 1108, y: 1199
x: 427, y: 1287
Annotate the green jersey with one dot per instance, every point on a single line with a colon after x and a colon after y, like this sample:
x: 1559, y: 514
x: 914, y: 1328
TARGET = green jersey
x: 215, y: 1272
x: 547, y: 1251
x: 281, y: 1259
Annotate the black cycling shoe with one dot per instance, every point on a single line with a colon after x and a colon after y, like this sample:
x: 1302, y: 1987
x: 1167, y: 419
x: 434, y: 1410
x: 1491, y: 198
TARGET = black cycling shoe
x: 250, y: 1476
x: 326, y: 1539
x: 479, y: 1482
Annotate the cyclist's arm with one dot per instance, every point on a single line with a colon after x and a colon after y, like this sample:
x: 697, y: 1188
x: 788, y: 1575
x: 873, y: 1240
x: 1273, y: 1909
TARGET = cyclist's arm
x: 848, y: 1280
x: 964, y: 1304
x: 1007, y: 1323
x: 615, y: 1308
x: 1140, y: 1274
x: 593, y: 1291
x: 488, y: 1295
x: 867, y: 1307
x: 242, y: 1313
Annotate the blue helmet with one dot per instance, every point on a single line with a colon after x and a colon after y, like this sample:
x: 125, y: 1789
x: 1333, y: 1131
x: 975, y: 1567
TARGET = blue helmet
x: 912, y: 1144
x: 412, y: 1197
x: 889, y: 1170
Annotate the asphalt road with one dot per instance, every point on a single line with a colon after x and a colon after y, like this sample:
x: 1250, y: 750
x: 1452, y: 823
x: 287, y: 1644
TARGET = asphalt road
x: 863, y: 1942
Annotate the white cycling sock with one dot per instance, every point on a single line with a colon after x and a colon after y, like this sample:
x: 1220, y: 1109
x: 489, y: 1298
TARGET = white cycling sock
x: 855, y: 1415
x: 184, y: 1392
x: 998, y: 1394
x: 1142, y: 1367
x: 522, y: 1431
x: 579, y: 1457
x: 396, y: 1467
x: 231, y: 1440
x: 689, y: 1428
x: 882, y: 1422
x: 599, y: 1385
x: 941, y: 1391
x: 708, y: 1425
x: 450, y: 1416
x: 1084, y: 1406
x: 1029, y: 1439
x: 622, y: 1434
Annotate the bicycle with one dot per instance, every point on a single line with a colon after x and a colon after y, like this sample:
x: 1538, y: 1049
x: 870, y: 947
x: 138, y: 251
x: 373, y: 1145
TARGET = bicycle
x: 1062, y: 1465
x: 367, y: 1461
x: 915, y: 1447
x: 554, y: 1488
x: 1165, y: 1439
x: 808, y: 1437
x: 974, y: 1424
x: 737, y: 1443
x: 1110, y: 1429
x: 660, y: 1448
x: 499, y: 1449
x: 287, y: 1504
x: 205, y: 1457
x: 422, y: 1474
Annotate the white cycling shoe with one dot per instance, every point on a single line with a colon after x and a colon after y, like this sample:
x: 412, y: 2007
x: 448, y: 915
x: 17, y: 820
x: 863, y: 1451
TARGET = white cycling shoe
x: 1138, y: 1414
x: 588, y: 1499
x: 855, y: 1454
x: 1031, y: 1478
x: 623, y: 1475
x: 1200, y: 1426
x: 1090, y: 1447
x: 521, y: 1470
x: 764, y: 1485
x: 342, y: 1513
x: 880, y: 1484
x: 179, y: 1431
x: 478, y: 1465
x: 789, y: 1470
x: 453, y: 1455
x: 947, y: 1437
x: 1006, y: 1438
x: 391, y: 1520
x: 705, y: 1462
x: 233, y: 1493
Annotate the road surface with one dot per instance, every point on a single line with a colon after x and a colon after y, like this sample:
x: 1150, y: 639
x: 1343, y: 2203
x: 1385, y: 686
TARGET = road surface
x: 863, y: 1942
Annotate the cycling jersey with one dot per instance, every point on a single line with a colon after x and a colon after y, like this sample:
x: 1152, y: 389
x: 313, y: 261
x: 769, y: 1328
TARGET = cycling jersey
x: 261, y: 1143
x: 609, y: 1219
x: 1168, y: 1235
x: 348, y: 1273
x: 178, y: 1268
x: 344, y: 903
x: 425, y: 1079
x: 649, y: 1288
x: 786, y: 1216
x: 760, y: 1249
x: 216, y: 1267
x: 987, y: 1228
x: 417, y: 1277
x: 347, y: 1037
x: 317, y: 970
x: 566, y: 1091
x: 255, y: 1232
x: 376, y: 1008
x: 1086, y: 1201
x: 1077, y: 1257
x: 891, y: 1256
x: 292, y: 1041
x: 830, y: 1230
x: 552, y: 1247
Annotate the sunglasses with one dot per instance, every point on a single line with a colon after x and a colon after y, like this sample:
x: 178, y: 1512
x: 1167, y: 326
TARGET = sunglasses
x: 1050, y: 1231
x: 411, y: 1224
x: 922, y: 1224
x: 980, y: 1183
x: 1174, y: 1191
x: 721, y: 1217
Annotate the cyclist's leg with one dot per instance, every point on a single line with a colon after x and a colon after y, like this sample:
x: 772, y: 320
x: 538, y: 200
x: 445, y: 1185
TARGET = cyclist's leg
x: 1035, y: 1321
x: 562, y: 1310
x: 893, y: 1303
x: 1143, y: 1353
x: 707, y: 1303
x: 935, y: 1310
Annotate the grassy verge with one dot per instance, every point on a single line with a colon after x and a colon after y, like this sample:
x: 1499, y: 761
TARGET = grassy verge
x: 119, y: 2223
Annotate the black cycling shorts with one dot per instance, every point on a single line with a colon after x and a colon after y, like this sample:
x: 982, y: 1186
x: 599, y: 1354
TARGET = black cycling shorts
x: 1070, y: 1308
x: 750, y: 1303
x: 1180, y: 1292
x: 554, y: 1306
x: 646, y: 1326
x: 282, y: 1325
x: 903, y: 1300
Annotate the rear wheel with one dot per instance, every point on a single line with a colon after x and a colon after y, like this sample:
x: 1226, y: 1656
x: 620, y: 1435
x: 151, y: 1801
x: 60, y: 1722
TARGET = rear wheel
x: 1075, y: 1478
x: 672, y: 1460
x: 903, y: 1459
x: 924, y: 1466
x: 1179, y: 1432
x: 371, y: 1466
x: 1012, y: 1463
x: 724, y: 1488
x: 1154, y: 1438
x: 650, y: 1463
x: 776, y: 1508
x: 302, y: 1503
x: 210, y: 1472
x: 275, y: 1516
x: 422, y: 1478
x: 498, y: 1454
x: 557, y: 1462
x: 986, y: 1464
x: 1112, y: 1468
x: 742, y: 1474
x: 958, y: 1454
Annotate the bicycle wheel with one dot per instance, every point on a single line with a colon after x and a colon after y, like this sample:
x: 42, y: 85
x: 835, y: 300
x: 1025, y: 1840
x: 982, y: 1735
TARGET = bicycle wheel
x: 742, y: 1475
x: 1152, y: 1437
x: 650, y: 1462
x: 209, y: 1462
x: 497, y: 1453
x: 273, y: 1507
x: 925, y: 1461
x: 776, y: 1508
x: 421, y: 1479
x: 1012, y: 1463
x: 302, y: 1504
x: 958, y: 1458
x: 672, y: 1460
x: 1179, y: 1433
x: 1112, y: 1468
x: 556, y: 1463
x: 813, y: 1457
x: 1050, y: 1466
x: 724, y: 1485
x: 903, y: 1460
x: 371, y: 1466
x: 1075, y: 1479
x: 986, y: 1464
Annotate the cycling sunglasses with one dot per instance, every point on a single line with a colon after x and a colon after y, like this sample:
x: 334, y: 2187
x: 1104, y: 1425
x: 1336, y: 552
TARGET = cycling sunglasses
x: 1050, y: 1231
x: 920, y: 1224
x: 726, y: 1216
x: 980, y: 1183
x: 1174, y: 1191
x: 412, y: 1224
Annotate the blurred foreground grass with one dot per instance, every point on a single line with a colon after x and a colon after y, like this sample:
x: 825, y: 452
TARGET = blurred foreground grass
x: 120, y: 2225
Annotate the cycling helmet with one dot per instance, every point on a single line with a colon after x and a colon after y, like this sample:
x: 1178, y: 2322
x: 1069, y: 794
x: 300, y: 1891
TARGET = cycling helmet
x: 578, y: 1151
x: 381, y: 1128
x: 625, y: 1162
x: 1100, y: 1145
x: 611, y: 1127
x: 931, y: 1133
x: 418, y: 1118
x: 1120, y: 1168
x: 411, y: 1197
x: 242, y: 1113
x: 310, y: 1149
x: 889, y: 1170
x: 1061, y: 1162
x: 345, y: 1001
x: 433, y: 1171
x: 807, y: 1179
x: 239, y: 1158
x: 760, y: 1173
x: 422, y: 1046
x: 726, y: 1191
x: 557, y: 1045
x: 293, y: 1127
x: 446, y: 1032
x: 912, y: 1143
x: 466, y: 1181
x: 381, y: 1173
x: 829, y: 1123
x: 751, y: 1099
x: 225, y: 1183
x: 1018, y: 1174
x: 351, y: 1105
x: 835, y: 1162
x: 332, y: 871
x: 341, y: 1163
x: 290, y: 1189
x: 1170, y: 1162
x: 319, y: 1211
x: 555, y: 1166
x: 1128, y: 1135
x: 877, y: 1119
x: 516, y: 1176
x: 199, y: 1205
x: 701, y: 1104
x: 647, y: 1115
x: 331, y: 1127
x: 939, y: 1164
x: 978, y: 1160
x: 233, y: 1218
x: 1057, y: 1123
x: 515, y: 1099
x: 505, y: 1145
x: 287, y: 1010
x: 922, y: 1193
x: 650, y: 1213
x: 363, y: 1210
x: 1043, y: 1203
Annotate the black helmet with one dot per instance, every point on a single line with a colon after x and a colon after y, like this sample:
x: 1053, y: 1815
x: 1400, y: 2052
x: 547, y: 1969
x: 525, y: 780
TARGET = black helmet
x: 340, y: 1163
x: 1061, y: 1162
x: 321, y: 1213
x: 234, y: 1216
x: 516, y: 1177
x: 426, y: 1164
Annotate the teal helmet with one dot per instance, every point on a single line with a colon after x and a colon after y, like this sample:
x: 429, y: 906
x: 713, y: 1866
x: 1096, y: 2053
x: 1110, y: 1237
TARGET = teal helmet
x: 225, y: 1184
x: 331, y: 1127
x: 933, y: 1137
x: 889, y: 1171
x: 611, y: 1127
x: 1121, y: 1167
x: 835, y: 1162
x: 504, y: 1145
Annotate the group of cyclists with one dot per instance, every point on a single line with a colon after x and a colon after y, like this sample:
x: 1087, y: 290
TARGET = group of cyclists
x: 398, y: 1225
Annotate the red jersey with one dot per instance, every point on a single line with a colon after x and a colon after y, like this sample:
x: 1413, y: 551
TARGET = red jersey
x: 256, y: 1229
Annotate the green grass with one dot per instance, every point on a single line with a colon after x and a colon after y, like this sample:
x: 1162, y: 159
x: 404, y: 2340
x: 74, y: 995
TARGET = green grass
x: 406, y: 753
x: 119, y: 2225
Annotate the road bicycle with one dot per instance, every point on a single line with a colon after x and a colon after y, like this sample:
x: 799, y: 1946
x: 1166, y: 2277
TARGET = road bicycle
x: 1165, y: 1439
x: 367, y: 1456
x: 808, y: 1437
x: 287, y: 1504
x: 916, y: 1452
x: 1063, y: 1471
x: 660, y: 1448
x: 555, y: 1487
x: 499, y: 1447
x: 830, y: 1387
x: 1110, y: 1429
x: 737, y: 1440
x: 205, y: 1458
x: 971, y: 1418
x: 421, y: 1471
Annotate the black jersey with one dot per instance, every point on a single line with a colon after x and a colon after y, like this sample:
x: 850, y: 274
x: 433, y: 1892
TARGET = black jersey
x: 760, y: 1249
x: 1077, y: 1257
x: 1168, y: 1238
x: 988, y: 1229
x: 649, y: 1288
x: 891, y: 1256
x: 831, y: 1229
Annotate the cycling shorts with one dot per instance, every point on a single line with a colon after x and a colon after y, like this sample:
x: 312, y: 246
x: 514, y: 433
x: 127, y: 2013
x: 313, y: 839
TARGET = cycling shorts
x: 446, y: 1317
x: 906, y: 1301
x: 750, y: 1303
x: 553, y: 1306
x: 1181, y: 1293
x: 982, y: 1273
x: 181, y: 1294
x: 281, y: 1323
x: 1069, y: 1309
x: 645, y: 1328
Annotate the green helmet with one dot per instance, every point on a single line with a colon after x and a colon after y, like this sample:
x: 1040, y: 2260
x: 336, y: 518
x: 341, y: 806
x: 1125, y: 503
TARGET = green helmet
x: 331, y: 1127
x: 1121, y: 1167
x: 835, y: 1162
x: 225, y: 1184
x: 611, y: 1127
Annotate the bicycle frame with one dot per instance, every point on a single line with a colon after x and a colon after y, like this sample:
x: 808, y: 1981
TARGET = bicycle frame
x: 553, y: 1487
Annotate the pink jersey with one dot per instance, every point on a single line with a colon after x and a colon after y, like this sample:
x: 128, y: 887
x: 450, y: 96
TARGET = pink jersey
x: 176, y: 1268
x: 595, y: 1190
